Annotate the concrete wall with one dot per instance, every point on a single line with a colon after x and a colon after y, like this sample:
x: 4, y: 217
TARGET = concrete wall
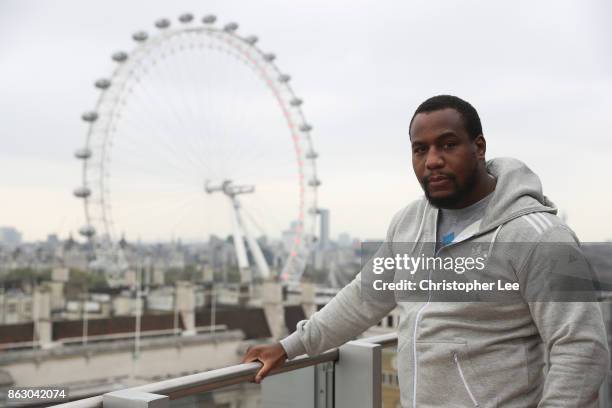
x: 179, y: 356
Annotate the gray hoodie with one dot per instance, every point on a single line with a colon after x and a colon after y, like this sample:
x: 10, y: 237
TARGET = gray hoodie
x: 525, y: 353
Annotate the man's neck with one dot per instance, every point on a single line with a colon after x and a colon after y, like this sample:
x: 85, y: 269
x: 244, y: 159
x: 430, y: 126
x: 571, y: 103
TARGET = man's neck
x: 484, y: 186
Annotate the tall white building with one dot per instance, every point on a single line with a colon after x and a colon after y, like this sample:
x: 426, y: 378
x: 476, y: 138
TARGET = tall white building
x: 324, y: 228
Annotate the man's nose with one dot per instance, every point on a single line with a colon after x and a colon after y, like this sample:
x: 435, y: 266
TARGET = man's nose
x: 434, y: 159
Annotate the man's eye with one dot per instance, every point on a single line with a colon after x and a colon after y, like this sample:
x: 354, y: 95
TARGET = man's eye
x: 418, y: 150
x: 449, y: 145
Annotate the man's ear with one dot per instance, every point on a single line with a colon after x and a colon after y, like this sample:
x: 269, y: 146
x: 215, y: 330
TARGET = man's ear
x: 481, y: 147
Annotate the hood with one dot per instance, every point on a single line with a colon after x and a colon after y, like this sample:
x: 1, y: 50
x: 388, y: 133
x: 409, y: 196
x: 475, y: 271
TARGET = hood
x: 518, y: 192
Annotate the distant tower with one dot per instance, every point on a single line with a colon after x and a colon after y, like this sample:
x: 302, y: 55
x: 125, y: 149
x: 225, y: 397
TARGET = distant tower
x: 9, y: 236
x: 344, y: 240
x: 324, y: 228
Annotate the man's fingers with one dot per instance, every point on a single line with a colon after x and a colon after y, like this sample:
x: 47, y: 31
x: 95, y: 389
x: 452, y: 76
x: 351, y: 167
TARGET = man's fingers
x: 252, y: 354
x: 267, y: 355
x: 263, y: 371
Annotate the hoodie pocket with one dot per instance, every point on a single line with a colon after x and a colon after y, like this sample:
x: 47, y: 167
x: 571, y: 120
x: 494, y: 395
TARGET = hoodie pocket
x: 501, y: 371
x: 445, y: 377
x: 458, y: 373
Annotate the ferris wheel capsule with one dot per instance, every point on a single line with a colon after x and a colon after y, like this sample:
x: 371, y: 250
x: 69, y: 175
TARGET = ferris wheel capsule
x: 269, y: 57
x: 102, y: 83
x: 209, y: 19
x: 312, y: 155
x: 162, y: 23
x: 284, y: 78
x: 230, y: 27
x: 90, y: 116
x: 82, y: 192
x: 119, y: 56
x: 296, y: 102
x: 186, y: 18
x: 83, y: 153
x: 305, y: 127
x: 314, y: 182
x: 140, y: 36
x: 251, y: 39
x: 87, y: 231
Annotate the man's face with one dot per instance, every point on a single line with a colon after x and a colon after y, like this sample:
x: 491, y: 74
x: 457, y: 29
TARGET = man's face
x: 444, y: 158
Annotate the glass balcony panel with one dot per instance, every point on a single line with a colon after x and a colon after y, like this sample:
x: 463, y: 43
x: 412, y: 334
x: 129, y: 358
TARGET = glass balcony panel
x: 389, y: 382
x: 246, y: 395
x: 306, y: 387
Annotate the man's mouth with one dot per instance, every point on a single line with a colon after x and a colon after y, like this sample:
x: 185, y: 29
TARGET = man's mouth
x: 438, y: 180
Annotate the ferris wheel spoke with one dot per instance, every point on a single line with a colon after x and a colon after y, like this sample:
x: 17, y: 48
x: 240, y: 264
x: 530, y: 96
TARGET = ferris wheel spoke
x: 206, y: 81
x: 245, y: 138
x: 189, y: 104
x: 168, y: 157
x: 252, y: 220
x: 252, y: 147
x: 194, y: 90
x: 157, y: 174
x: 167, y: 99
x: 183, y: 214
x: 203, y: 106
x: 255, y: 155
x: 260, y: 166
x: 177, y: 72
x: 241, y: 130
x: 155, y: 208
x: 165, y: 143
x: 245, y: 125
x: 232, y: 135
x: 144, y: 125
x: 260, y: 207
x: 137, y: 136
x: 225, y: 106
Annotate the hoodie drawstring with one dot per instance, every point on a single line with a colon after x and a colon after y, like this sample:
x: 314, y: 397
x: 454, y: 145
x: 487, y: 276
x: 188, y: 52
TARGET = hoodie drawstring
x: 493, y: 242
x: 420, y: 230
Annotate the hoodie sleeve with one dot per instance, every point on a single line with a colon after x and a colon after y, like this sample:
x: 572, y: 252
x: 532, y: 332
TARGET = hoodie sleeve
x: 346, y: 316
x: 558, y: 285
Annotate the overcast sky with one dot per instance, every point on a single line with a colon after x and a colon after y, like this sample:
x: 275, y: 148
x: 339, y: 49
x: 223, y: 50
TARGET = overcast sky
x: 539, y: 73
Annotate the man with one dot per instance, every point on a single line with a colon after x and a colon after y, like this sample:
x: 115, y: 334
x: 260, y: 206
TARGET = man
x: 526, y: 353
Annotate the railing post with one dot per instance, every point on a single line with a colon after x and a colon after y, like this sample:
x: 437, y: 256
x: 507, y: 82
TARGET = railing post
x: 324, y: 385
x: 134, y: 399
x: 358, y: 376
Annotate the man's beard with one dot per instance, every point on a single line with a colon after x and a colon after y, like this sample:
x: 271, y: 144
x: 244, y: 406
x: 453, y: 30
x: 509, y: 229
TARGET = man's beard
x: 460, y: 193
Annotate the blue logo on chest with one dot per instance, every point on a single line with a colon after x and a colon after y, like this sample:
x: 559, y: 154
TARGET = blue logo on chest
x: 448, y: 238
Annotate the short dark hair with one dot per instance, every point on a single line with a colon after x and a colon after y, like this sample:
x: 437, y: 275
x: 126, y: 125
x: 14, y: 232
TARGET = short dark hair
x: 471, y: 120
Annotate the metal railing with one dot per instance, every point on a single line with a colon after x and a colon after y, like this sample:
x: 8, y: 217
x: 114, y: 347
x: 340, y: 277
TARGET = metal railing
x: 347, y: 358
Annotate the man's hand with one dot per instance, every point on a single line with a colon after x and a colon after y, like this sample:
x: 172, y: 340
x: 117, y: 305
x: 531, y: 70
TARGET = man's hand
x: 271, y: 355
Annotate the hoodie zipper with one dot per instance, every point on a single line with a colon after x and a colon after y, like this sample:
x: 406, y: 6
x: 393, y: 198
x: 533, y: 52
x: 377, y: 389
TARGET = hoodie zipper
x: 465, y: 384
x: 414, y: 350
x: 420, y: 311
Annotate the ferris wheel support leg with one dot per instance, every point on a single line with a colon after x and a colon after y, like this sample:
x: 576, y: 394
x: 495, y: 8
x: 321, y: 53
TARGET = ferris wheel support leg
x: 241, y: 255
x: 260, y: 260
